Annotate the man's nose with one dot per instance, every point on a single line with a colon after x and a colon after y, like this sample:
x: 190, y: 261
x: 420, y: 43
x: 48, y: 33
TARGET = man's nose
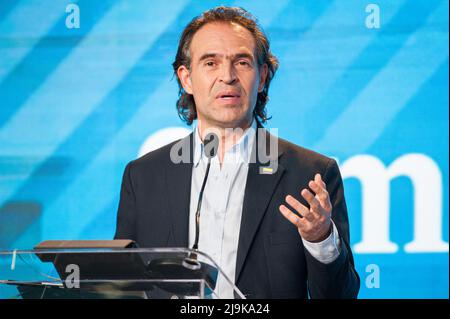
x: 228, y: 74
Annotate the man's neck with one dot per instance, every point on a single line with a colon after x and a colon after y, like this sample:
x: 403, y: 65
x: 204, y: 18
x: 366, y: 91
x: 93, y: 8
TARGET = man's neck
x: 228, y: 137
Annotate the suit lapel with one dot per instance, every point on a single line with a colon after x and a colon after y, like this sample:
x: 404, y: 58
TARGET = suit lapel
x: 258, y: 192
x: 178, y: 185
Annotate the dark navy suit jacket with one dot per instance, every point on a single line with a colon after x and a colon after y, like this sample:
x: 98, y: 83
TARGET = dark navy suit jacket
x: 271, y: 259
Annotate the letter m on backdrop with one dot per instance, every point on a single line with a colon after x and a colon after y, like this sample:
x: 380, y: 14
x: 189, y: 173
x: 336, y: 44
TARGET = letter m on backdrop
x: 375, y: 181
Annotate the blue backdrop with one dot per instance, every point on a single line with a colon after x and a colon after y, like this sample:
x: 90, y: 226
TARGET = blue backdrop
x: 84, y: 89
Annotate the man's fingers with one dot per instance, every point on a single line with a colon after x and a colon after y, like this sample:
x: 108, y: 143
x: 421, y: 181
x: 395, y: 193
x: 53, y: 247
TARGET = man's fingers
x: 318, y: 179
x: 290, y: 216
x: 314, y: 204
x: 299, y: 207
x: 321, y: 194
x: 318, y: 189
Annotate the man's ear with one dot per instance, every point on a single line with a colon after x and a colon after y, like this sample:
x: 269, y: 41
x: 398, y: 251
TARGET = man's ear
x: 185, y: 78
x: 263, y: 70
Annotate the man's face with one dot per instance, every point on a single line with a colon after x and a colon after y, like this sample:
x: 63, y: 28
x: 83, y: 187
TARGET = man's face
x: 224, y: 75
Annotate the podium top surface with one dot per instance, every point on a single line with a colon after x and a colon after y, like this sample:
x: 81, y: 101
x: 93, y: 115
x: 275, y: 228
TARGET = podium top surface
x: 94, y: 264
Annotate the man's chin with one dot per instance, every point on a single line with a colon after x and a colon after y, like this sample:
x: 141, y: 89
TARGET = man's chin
x: 233, y: 121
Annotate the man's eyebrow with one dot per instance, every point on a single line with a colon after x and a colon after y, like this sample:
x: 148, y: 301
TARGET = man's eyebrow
x: 207, y: 56
x: 243, y: 55
x: 234, y: 56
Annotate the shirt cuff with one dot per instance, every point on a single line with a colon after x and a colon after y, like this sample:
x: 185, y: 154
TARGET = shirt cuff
x: 327, y: 250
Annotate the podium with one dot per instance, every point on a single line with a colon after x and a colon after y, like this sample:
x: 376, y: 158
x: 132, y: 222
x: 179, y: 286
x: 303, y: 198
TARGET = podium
x: 110, y: 269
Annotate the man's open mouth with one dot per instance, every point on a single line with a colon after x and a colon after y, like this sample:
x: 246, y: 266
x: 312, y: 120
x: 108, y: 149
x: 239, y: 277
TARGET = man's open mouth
x: 228, y: 95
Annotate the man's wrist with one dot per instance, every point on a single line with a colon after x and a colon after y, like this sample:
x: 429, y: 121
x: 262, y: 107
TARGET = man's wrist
x: 325, y: 236
x: 327, y: 250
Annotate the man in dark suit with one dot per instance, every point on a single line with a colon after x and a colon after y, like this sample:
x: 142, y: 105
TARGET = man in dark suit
x: 272, y: 242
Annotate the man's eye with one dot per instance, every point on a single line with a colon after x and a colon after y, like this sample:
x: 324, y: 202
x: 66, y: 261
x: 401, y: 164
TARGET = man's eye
x: 209, y: 63
x: 243, y: 63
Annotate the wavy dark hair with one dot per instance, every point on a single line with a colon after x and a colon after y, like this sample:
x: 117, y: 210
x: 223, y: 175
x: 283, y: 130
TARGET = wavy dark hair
x: 186, y: 104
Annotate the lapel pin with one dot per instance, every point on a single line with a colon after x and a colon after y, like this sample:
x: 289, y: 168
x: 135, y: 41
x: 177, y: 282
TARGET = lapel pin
x: 266, y: 170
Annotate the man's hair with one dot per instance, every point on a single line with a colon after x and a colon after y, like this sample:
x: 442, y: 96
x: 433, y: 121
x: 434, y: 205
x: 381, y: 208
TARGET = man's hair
x: 186, y: 104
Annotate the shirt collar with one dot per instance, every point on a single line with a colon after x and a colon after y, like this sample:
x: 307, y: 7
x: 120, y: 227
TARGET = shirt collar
x: 240, y: 152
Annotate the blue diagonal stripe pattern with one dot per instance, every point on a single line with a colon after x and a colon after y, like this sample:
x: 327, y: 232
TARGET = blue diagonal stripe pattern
x: 6, y: 6
x: 322, y: 55
x: 146, y: 72
x: 368, y: 64
x: 45, y: 56
x: 22, y: 29
x: 395, y: 94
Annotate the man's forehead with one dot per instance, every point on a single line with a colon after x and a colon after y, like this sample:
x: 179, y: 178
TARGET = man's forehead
x: 222, y: 38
